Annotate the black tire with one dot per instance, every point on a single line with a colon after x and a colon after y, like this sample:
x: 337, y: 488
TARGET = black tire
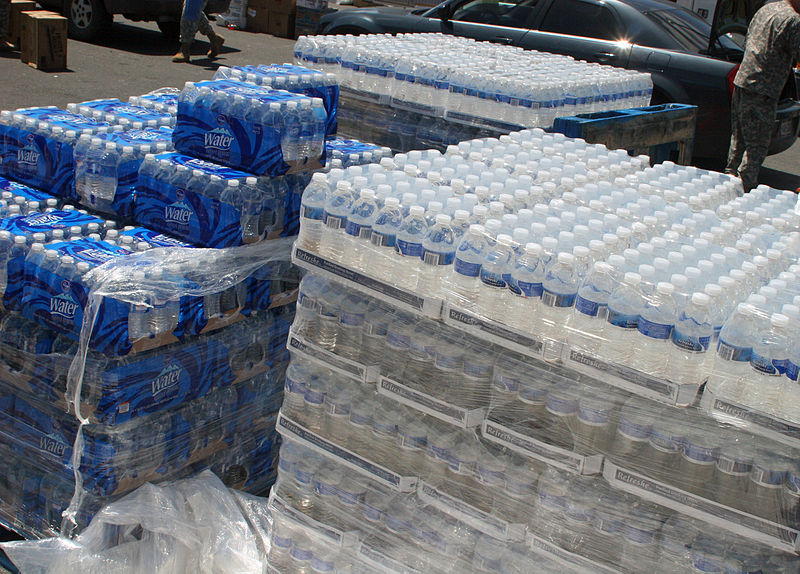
x: 170, y: 28
x: 87, y: 19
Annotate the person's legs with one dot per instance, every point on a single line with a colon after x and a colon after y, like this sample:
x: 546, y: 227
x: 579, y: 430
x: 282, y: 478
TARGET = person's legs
x: 190, y: 22
x: 214, y: 39
x: 757, y: 123
x: 736, y: 149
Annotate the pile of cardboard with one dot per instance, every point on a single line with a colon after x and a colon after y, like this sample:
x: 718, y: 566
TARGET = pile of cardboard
x: 41, y: 36
x: 274, y: 17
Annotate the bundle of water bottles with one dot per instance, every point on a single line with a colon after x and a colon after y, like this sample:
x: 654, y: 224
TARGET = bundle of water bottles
x: 164, y: 100
x: 107, y: 166
x: 244, y: 126
x: 36, y: 146
x: 295, y: 79
x: 128, y: 116
x: 444, y: 75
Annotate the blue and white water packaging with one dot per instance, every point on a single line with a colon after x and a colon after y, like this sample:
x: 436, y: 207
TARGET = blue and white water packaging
x: 128, y: 116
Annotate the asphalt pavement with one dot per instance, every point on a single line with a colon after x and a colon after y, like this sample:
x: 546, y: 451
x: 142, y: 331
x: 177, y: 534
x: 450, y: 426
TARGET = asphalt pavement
x: 135, y: 58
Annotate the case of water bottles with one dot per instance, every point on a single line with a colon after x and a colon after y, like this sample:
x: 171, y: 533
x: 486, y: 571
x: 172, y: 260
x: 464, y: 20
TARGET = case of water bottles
x: 255, y: 129
x: 161, y: 100
x: 443, y: 75
x: 36, y: 146
x: 107, y: 167
x: 215, y: 206
x: 296, y: 79
x: 117, y: 112
x: 26, y: 199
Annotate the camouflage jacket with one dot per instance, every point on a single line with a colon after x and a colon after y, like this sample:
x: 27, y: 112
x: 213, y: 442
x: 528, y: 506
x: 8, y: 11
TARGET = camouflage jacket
x: 772, y: 48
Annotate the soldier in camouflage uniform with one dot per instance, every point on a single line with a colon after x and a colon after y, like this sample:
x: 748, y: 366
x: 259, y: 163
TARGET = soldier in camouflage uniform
x: 4, y: 8
x: 771, y: 49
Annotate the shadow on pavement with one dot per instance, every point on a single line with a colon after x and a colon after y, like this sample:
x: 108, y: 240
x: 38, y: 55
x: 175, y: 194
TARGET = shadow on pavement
x: 129, y: 37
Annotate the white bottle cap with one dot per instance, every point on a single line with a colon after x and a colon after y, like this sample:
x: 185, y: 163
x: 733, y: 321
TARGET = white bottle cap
x: 665, y: 288
x: 392, y: 202
x: 700, y: 299
x: 442, y: 219
x: 580, y: 251
x: 532, y: 248
x: 416, y: 210
x: 632, y: 278
x: 566, y: 258
x: 367, y: 193
x: 779, y: 320
x: 504, y: 239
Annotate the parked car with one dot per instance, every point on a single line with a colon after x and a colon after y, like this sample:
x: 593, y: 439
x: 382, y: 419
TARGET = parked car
x: 687, y: 61
x: 87, y: 19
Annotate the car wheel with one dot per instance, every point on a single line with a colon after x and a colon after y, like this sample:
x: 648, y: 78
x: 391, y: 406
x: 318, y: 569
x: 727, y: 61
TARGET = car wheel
x: 170, y: 28
x: 87, y: 19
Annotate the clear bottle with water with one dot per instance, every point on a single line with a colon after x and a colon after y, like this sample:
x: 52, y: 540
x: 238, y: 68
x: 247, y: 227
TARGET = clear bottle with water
x: 621, y: 329
x: 362, y: 215
x: 656, y: 321
x: 587, y: 322
x: 384, y: 238
x: 464, y: 284
x: 690, y: 339
x: 527, y: 276
x: 438, y: 254
x: 559, y: 292
x: 337, y: 208
x: 769, y: 360
x: 495, y: 271
x: 731, y: 366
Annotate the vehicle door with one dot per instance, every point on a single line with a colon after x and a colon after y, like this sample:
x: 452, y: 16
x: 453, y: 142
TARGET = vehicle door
x: 584, y: 29
x: 500, y: 21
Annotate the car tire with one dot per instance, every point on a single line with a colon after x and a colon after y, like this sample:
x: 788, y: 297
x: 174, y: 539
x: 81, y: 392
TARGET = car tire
x: 170, y: 28
x: 87, y: 19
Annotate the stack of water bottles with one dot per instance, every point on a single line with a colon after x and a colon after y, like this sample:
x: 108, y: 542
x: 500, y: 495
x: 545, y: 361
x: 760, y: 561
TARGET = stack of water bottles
x: 444, y: 75
x: 19, y: 199
x: 107, y: 166
x: 341, y: 153
x: 128, y: 116
x: 164, y: 100
x: 184, y: 369
x: 295, y: 79
x: 36, y: 146
x: 488, y: 334
x: 255, y: 129
x: 213, y: 205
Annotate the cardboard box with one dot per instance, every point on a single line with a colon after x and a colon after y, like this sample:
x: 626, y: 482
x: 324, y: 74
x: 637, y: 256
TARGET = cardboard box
x: 257, y: 19
x: 43, y: 40
x: 281, y: 24
x: 16, y: 9
x: 282, y: 6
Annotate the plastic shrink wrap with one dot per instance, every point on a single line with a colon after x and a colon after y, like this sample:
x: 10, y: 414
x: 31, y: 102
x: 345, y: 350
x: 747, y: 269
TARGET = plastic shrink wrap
x: 518, y: 338
x: 190, y: 525
x: 86, y: 423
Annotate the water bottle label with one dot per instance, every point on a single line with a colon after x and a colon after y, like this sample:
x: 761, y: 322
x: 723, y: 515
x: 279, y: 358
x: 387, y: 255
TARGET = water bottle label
x: 633, y: 429
x: 533, y: 395
x: 593, y: 415
x: 334, y: 222
x: 360, y: 419
x: 358, y: 230
x: 699, y: 454
x: 561, y: 300
x: 589, y: 307
x: 351, y: 319
x: 315, y: 213
x: 336, y: 408
x: 410, y: 441
x: 448, y: 362
x: 561, y: 405
x: 295, y: 386
x: 727, y: 352
x: 441, y: 85
x: 325, y: 489
x: 477, y: 370
x: 435, y: 258
x: 622, y: 320
x: 782, y: 365
x: 552, y: 502
x: 316, y: 398
x: 466, y: 268
x: 654, y: 330
x: 408, y: 249
x: 492, y: 279
x: 379, y: 239
x: 763, y: 364
x: 529, y: 289
x: 376, y: 71
x: 506, y: 384
x: 792, y: 370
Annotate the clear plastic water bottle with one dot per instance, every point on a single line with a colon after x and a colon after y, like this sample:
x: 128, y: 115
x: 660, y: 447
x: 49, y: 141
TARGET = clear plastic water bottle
x: 384, y: 239
x: 690, y: 341
x: 656, y: 321
x: 494, y: 297
x: 438, y: 254
x: 362, y: 215
x: 587, y: 323
x: 559, y: 292
x: 769, y: 361
x: 464, y: 284
x: 621, y: 330
x: 409, y: 248
x: 731, y: 367
x: 337, y: 208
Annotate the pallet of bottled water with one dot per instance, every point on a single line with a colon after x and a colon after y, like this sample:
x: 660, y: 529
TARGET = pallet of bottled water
x: 441, y: 75
x: 117, y: 112
x: 164, y: 100
x: 37, y: 143
x: 244, y: 126
x: 341, y: 153
x: 295, y: 79
x: 106, y: 167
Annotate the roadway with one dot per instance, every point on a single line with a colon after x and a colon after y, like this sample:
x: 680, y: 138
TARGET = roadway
x: 136, y: 58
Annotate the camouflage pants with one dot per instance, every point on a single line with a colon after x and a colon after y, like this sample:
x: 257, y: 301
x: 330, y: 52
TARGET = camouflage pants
x: 4, y: 7
x: 192, y: 20
x: 752, y: 124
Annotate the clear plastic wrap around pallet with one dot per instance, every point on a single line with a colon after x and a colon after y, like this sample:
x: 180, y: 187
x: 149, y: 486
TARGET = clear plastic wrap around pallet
x: 190, y: 525
x: 106, y: 424
x: 516, y: 332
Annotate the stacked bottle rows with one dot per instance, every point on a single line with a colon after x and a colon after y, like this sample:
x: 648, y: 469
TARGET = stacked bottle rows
x: 128, y: 116
x: 210, y: 402
x: 653, y: 261
x: 160, y: 100
x: 443, y: 74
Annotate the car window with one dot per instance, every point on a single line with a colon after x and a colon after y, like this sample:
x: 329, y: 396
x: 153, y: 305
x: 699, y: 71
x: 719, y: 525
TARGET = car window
x: 511, y: 13
x: 579, y: 18
x: 690, y: 31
